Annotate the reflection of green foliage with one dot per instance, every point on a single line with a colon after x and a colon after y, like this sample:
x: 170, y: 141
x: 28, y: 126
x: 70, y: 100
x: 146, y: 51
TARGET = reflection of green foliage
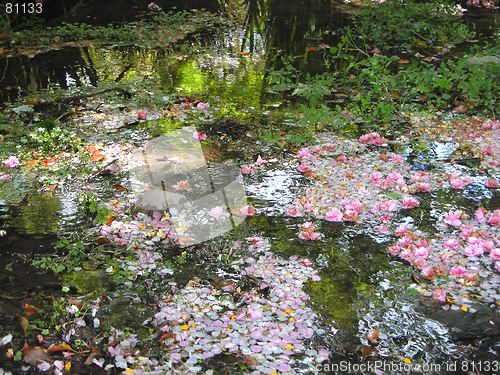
x: 14, y: 189
x: 87, y: 281
x: 239, y: 87
x: 38, y: 215
x: 352, y: 271
x: 162, y: 126
x: 253, y: 21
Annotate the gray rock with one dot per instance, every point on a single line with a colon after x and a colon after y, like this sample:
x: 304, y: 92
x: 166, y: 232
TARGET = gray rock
x: 482, y: 60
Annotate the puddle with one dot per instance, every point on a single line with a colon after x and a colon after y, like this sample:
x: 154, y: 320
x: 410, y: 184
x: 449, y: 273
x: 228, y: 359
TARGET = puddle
x: 362, y: 287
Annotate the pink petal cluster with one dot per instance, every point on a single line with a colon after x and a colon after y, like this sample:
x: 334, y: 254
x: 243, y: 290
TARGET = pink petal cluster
x: 203, y: 106
x: 307, y: 231
x: 420, y: 177
x: 303, y: 153
x: 199, y: 136
x: 303, y: 167
x: 494, y: 219
x: 423, y: 187
x: 294, y: 212
x: 396, y: 158
x: 182, y: 185
x: 409, y: 203
x: 248, y: 211
x: 373, y: 139
x: 153, y: 6
x: 11, y: 162
x: 439, y: 294
x: 216, y: 212
x: 334, y: 215
x: 491, y: 183
x: 260, y: 161
x: 247, y: 169
x: 459, y: 183
x: 453, y: 218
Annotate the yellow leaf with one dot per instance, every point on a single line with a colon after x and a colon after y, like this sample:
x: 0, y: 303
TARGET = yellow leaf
x: 464, y: 308
x: 67, y: 366
x: 289, y: 346
x: 274, y: 372
x: 406, y: 360
x: 128, y: 371
x: 185, y: 327
x: 290, y: 311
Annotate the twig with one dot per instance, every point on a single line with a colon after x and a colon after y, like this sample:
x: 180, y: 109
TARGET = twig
x: 5, y: 70
x: 100, y: 170
x: 420, y: 36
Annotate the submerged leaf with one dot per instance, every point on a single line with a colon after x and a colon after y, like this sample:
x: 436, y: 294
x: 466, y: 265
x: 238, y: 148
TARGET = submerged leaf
x: 35, y: 355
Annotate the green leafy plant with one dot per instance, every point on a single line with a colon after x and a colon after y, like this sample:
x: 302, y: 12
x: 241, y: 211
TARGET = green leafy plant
x: 49, y: 138
x: 410, y: 24
x: 57, y: 264
x: 102, y: 213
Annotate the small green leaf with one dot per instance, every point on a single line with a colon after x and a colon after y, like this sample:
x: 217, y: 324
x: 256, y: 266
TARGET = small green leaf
x: 393, y: 195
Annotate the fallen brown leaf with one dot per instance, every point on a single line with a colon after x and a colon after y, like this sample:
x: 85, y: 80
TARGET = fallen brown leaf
x: 35, y: 355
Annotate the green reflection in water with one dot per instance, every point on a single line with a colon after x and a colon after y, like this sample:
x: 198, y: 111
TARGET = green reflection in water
x: 93, y: 282
x: 37, y: 214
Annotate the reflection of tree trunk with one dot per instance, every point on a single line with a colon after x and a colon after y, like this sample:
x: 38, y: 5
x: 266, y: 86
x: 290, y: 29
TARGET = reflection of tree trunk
x: 64, y: 9
x: 89, y: 67
x: 253, y: 21
x: 289, y: 23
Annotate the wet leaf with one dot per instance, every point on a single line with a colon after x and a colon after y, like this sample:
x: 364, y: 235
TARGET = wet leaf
x: 184, y: 241
x: 74, y: 302
x: 94, y: 148
x: 30, y: 310
x: 30, y: 164
x: 110, y: 219
x: 367, y: 351
x: 372, y: 335
x: 105, y: 172
x: 393, y: 195
x: 96, y: 157
x: 403, y: 61
x: 35, y: 355
x: 59, y: 348
x: 395, y: 94
x: 50, y: 162
x: 24, y: 322
x: 462, y: 108
x: 102, y: 240
x: 118, y: 187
